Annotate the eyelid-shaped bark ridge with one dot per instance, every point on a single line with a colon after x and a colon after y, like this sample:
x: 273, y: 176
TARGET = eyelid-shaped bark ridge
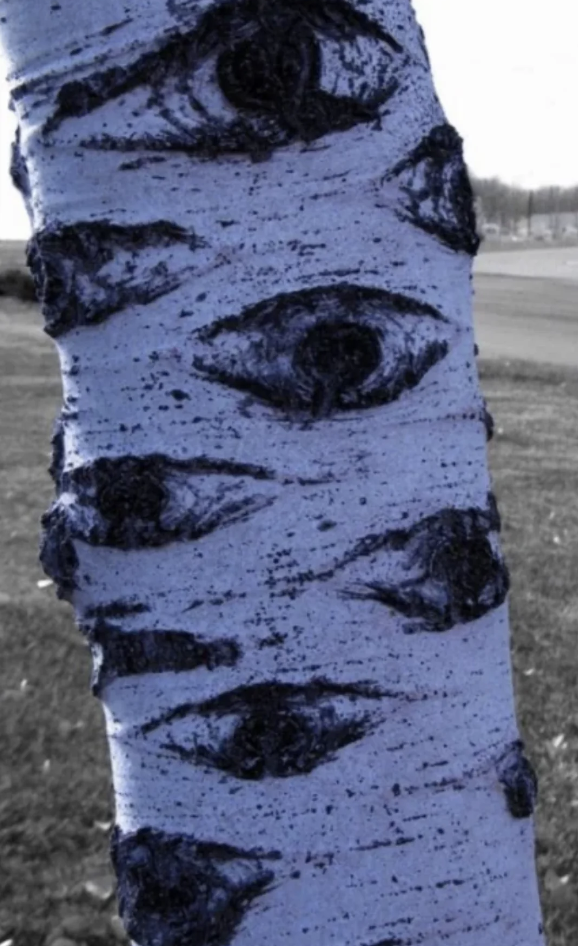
x: 272, y: 729
x: 321, y: 350
x: 177, y: 890
x: 268, y: 68
x: 439, y: 195
x: 88, y: 271
x: 118, y: 653
x: 457, y: 573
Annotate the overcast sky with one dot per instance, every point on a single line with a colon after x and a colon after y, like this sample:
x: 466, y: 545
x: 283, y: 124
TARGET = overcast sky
x: 506, y: 72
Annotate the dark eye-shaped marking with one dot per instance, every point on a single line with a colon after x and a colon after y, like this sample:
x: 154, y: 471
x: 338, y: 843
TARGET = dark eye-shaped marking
x: 439, y: 196
x: 118, y: 653
x: 149, y: 501
x: 248, y: 78
x: 459, y: 575
x: 87, y: 272
x: 330, y: 348
x: 273, y: 729
x: 519, y: 781
x: 176, y: 890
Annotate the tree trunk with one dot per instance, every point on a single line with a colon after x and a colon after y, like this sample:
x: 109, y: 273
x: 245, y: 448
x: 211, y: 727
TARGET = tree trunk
x: 253, y: 235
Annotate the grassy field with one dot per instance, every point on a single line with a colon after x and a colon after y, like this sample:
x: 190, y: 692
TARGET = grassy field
x: 55, y: 796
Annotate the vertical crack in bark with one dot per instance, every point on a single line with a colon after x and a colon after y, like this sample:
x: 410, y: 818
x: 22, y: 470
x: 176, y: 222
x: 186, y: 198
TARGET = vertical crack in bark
x: 176, y: 890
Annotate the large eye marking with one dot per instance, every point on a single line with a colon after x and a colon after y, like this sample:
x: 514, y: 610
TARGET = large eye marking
x: 330, y: 348
x: 89, y: 271
x: 272, y: 729
x: 458, y: 574
x: 439, y: 196
x: 248, y: 77
x: 131, y: 502
x: 179, y: 890
x: 118, y: 653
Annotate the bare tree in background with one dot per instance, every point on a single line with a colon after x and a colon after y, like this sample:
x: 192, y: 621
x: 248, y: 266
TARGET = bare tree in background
x: 253, y: 234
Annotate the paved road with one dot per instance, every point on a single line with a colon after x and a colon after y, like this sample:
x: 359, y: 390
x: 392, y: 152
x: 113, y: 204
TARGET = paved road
x: 526, y: 305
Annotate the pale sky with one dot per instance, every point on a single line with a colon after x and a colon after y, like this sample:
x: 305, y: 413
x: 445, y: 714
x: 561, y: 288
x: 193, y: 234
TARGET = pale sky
x: 506, y: 72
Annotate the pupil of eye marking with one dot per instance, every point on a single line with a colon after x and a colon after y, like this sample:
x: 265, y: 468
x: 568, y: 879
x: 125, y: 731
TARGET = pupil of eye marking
x: 341, y: 354
x: 267, y: 70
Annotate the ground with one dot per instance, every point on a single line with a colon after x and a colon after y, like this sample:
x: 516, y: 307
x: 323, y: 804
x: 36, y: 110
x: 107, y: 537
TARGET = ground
x: 55, y: 796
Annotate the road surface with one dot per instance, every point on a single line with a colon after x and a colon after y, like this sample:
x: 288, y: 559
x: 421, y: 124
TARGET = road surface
x: 526, y: 305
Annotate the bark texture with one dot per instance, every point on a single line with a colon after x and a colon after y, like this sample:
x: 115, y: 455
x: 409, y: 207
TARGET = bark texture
x: 253, y: 232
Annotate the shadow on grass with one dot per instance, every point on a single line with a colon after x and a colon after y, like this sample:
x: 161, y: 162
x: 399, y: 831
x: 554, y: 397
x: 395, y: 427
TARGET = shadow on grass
x: 18, y: 284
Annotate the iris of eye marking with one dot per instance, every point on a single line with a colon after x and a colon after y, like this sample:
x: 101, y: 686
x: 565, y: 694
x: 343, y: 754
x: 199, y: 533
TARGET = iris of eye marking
x: 519, y: 781
x: 176, y: 890
x: 439, y: 194
x: 458, y: 574
x: 68, y: 264
x: 268, y: 68
x: 282, y: 730
x: 330, y: 348
x: 280, y: 742
x: 130, y: 653
x: 134, y: 501
x: 342, y: 353
x: 267, y: 64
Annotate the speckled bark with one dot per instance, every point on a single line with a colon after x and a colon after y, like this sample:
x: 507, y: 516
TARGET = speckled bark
x: 253, y: 232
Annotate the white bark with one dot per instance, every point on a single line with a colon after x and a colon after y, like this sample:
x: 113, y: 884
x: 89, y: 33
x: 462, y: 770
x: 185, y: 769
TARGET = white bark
x: 294, y: 538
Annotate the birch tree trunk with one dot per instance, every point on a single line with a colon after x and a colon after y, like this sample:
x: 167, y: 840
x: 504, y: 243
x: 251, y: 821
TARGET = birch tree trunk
x: 253, y: 235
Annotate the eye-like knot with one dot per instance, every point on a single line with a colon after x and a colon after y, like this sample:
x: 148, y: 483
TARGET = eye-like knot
x: 271, y: 71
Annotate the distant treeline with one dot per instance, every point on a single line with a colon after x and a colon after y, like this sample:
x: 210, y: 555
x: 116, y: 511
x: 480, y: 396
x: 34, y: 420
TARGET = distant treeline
x: 511, y: 208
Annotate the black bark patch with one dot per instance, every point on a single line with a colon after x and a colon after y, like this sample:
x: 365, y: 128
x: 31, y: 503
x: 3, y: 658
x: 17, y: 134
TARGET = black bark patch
x: 69, y: 267
x: 282, y: 730
x: 267, y: 62
x: 57, y: 553
x: 458, y: 576
x: 175, y: 890
x: 330, y: 348
x: 519, y: 781
x: 117, y: 609
x: 18, y: 169
x: 495, y: 520
x: 489, y: 423
x: 136, y: 502
x: 131, y: 653
x: 439, y: 196
x: 56, y: 467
